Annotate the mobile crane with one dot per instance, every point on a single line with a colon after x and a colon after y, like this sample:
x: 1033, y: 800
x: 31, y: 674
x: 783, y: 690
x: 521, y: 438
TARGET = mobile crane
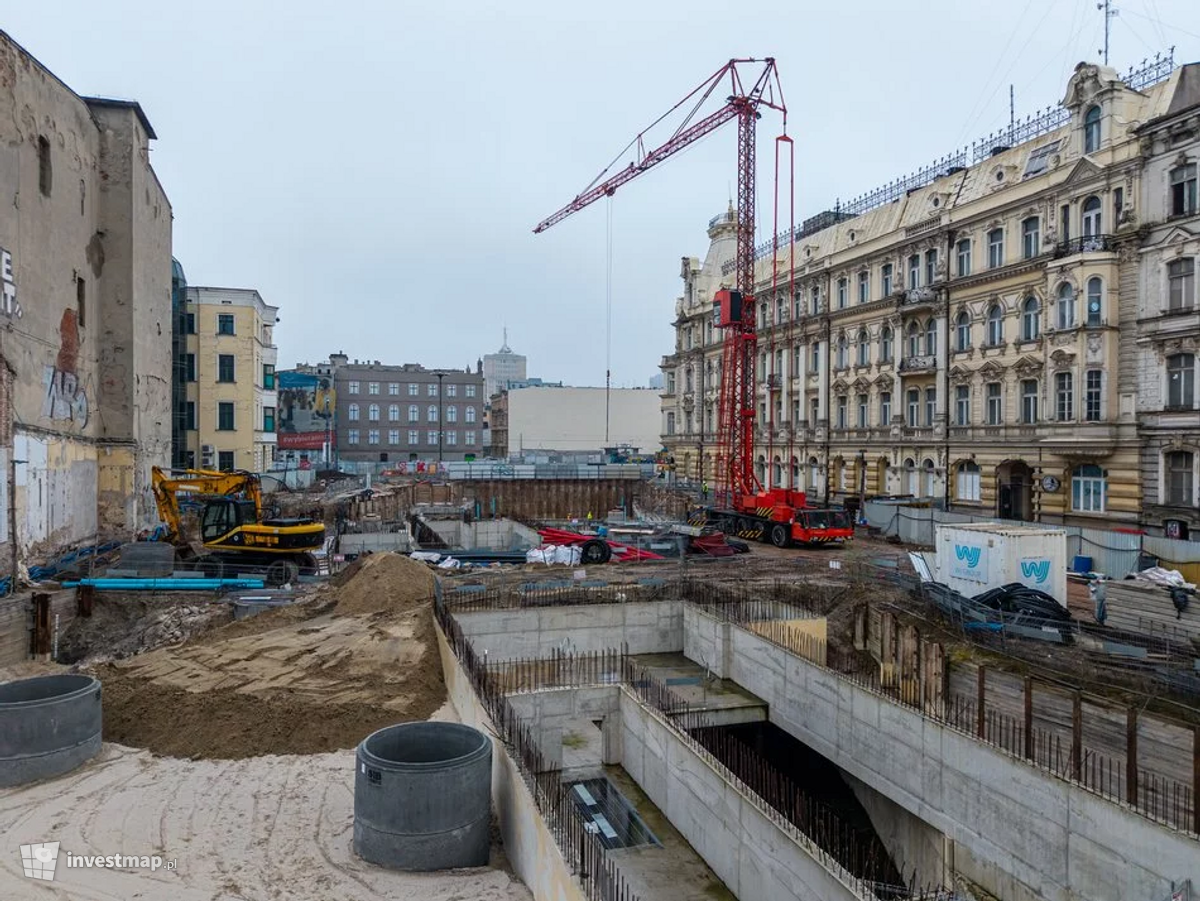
x: 232, y: 528
x: 778, y: 515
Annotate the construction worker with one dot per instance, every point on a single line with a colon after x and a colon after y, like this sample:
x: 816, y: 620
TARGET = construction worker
x: 704, y: 490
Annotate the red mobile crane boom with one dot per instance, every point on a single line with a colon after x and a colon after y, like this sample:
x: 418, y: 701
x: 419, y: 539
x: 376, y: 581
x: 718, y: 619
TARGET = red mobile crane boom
x: 772, y: 514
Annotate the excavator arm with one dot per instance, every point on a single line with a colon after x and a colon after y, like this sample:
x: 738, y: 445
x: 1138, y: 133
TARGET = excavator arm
x: 168, y: 485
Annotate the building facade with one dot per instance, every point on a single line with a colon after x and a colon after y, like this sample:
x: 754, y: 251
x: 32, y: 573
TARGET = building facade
x: 85, y: 348
x: 1168, y: 316
x: 966, y: 335
x: 548, y: 420
x: 502, y: 369
x: 400, y: 413
x: 230, y: 400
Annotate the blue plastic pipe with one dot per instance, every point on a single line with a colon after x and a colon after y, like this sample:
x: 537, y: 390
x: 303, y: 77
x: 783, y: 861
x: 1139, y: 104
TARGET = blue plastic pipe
x: 165, y: 584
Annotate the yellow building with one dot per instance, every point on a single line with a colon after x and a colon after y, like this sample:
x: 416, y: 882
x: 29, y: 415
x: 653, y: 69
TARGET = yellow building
x: 966, y: 334
x: 229, y: 368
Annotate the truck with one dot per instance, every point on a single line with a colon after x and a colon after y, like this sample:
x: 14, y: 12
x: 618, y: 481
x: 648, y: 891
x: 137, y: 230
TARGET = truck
x: 233, y: 530
x: 780, y: 516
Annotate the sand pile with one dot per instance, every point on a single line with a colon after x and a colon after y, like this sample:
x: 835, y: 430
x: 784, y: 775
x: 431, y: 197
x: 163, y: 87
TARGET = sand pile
x: 304, y: 679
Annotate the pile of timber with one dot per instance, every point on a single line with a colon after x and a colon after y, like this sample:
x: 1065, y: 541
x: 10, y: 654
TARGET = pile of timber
x: 1135, y: 606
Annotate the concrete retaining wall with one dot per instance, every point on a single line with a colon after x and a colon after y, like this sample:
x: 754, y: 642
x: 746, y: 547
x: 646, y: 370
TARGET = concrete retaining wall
x: 752, y: 855
x: 550, y: 712
x: 648, y: 627
x: 1018, y: 832
x: 528, y: 844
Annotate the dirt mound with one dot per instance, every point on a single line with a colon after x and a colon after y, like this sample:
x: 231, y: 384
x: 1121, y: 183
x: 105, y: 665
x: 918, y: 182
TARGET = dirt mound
x: 121, y: 626
x: 385, y: 583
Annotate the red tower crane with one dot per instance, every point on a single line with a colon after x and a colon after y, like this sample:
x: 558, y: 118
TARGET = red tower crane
x: 753, y: 512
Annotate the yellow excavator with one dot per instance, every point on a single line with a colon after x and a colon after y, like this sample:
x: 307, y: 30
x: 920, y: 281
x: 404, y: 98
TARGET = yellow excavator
x: 232, y: 529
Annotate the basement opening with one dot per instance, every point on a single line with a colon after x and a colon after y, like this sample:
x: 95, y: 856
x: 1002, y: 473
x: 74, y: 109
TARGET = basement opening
x: 606, y: 812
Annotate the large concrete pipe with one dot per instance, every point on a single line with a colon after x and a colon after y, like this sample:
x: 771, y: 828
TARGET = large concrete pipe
x: 422, y: 797
x: 48, y: 726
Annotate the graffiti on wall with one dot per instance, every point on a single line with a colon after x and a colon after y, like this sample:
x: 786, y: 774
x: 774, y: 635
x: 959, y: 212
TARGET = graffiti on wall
x: 9, y: 305
x: 64, y: 398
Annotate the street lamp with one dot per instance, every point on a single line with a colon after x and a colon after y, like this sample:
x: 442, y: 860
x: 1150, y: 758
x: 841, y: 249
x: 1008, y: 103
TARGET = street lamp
x: 441, y: 417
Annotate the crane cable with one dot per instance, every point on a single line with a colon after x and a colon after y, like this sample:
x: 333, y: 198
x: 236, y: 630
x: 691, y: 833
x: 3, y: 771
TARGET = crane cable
x: 608, y: 326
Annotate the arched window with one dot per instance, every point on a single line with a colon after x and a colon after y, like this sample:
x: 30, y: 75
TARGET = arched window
x: 931, y: 337
x: 962, y: 331
x: 995, y: 326
x: 1092, y: 220
x: 1031, y: 318
x: 967, y: 484
x: 885, y: 345
x: 914, y: 340
x: 1088, y: 489
x: 373, y: 412
x: 841, y: 353
x: 1066, y: 306
x: 930, y: 478
x: 352, y: 412
x: 414, y: 413
x: 1095, y: 293
x: 910, y: 477
x: 796, y: 473
x: 864, y: 348
x: 393, y: 412
x: 776, y: 472
x: 1091, y: 130
x: 432, y: 413
x: 760, y: 468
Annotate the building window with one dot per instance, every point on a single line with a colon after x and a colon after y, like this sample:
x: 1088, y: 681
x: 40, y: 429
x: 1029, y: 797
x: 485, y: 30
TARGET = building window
x: 1031, y: 317
x: 225, y: 416
x: 841, y: 411
x: 414, y: 437
x: 352, y: 436
x: 225, y: 461
x: 431, y: 413
x: 1181, y: 284
x: 1118, y: 204
x: 842, y: 354
x: 189, y: 367
x: 393, y: 412
x: 968, y: 485
x: 190, y: 327
x: 995, y: 404
x: 394, y: 391
x: 393, y: 436
x: 995, y: 326
x: 931, y: 337
x: 413, y: 390
x: 1091, y: 130
x: 1181, y: 381
x: 352, y: 413
x: 931, y: 258
x: 815, y: 353
x: 1088, y: 489
x: 431, y: 389
x: 224, y: 367
x: 864, y: 348
x: 352, y: 387
x: 930, y: 406
x: 885, y: 408
x: 864, y: 287
x: 841, y: 297
x: 1029, y: 401
x: 372, y: 436
x: 814, y: 407
x: 962, y: 331
x: 1092, y: 219
x: 1030, y: 237
x: 914, y: 340
x: 1093, y: 380
x: 885, y: 344
x: 964, y: 256
x: 372, y: 387
x: 189, y: 416
x: 670, y: 383
x: 468, y: 438
x: 431, y: 436
x: 268, y: 419
x: 268, y: 377
x: 373, y: 413
x: 886, y: 278
x: 452, y: 437
x: 45, y: 166
x: 1064, y: 395
x: 671, y: 423
x: 414, y: 413
x: 914, y: 408
x: 470, y: 390
x: 962, y: 405
x: 225, y: 324
x: 1095, y: 291
x: 1183, y: 190
x: 862, y: 411
x: 469, y: 413
x: 914, y: 271
x: 780, y: 310
x: 1066, y: 306
x: 1180, y: 467
x: 452, y: 391
x: 452, y: 413
x: 995, y: 239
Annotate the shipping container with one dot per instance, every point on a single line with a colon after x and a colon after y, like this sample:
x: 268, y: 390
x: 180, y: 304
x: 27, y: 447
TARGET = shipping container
x: 975, y: 557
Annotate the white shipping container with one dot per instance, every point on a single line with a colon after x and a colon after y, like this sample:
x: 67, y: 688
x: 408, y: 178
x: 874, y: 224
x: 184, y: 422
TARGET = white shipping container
x: 975, y: 557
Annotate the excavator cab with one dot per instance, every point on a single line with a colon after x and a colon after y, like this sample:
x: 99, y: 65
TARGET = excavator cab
x: 222, y: 515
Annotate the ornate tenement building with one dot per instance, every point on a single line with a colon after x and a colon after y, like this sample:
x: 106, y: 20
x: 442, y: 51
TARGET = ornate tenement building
x: 969, y: 334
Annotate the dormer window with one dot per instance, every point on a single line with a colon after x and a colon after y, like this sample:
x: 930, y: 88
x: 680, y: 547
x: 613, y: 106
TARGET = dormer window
x: 1091, y: 130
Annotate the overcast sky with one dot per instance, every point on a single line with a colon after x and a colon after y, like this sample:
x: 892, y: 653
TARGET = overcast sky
x: 376, y: 169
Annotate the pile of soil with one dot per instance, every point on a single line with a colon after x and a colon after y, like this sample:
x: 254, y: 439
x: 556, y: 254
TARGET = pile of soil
x: 121, y: 626
x: 384, y: 583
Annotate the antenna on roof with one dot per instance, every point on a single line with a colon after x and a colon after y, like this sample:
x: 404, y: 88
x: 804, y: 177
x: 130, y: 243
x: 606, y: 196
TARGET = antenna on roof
x: 1110, y: 13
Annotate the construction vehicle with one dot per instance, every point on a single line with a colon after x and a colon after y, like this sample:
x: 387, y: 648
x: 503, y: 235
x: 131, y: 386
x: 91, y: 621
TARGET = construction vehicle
x: 745, y: 508
x: 233, y: 532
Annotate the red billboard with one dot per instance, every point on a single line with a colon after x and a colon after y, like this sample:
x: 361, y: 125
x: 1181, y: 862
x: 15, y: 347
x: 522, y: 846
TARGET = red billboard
x: 300, y: 440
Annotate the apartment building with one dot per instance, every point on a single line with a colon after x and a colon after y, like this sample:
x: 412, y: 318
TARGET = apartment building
x: 228, y: 366
x: 966, y: 334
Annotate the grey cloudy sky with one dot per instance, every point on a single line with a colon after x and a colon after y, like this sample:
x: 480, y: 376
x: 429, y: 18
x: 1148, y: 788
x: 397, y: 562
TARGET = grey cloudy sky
x: 375, y: 169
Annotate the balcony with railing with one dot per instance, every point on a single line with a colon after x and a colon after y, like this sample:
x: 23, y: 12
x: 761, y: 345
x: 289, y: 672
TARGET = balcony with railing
x: 1086, y: 244
x: 921, y: 363
x: 915, y: 297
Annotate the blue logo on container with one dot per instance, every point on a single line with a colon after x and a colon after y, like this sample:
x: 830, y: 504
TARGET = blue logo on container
x: 1038, y: 570
x: 969, y: 554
